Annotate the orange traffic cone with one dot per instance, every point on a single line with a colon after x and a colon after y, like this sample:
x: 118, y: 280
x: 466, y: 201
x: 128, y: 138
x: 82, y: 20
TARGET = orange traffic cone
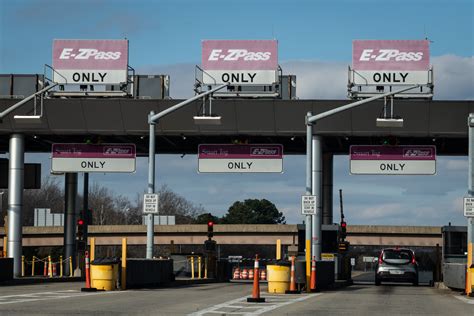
x: 292, y: 289
x: 313, y: 287
x: 88, y: 287
x: 237, y: 273
x: 256, y: 287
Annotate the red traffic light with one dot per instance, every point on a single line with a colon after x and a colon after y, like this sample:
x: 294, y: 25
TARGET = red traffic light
x: 80, y: 222
x: 343, y: 224
x: 210, y: 224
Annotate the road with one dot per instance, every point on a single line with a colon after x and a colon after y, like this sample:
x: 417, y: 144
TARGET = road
x: 230, y: 298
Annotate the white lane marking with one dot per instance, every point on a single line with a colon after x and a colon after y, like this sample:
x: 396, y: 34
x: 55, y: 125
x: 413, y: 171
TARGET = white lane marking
x: 43, y: 296
x: 272, y: 302
x: 464, y: 299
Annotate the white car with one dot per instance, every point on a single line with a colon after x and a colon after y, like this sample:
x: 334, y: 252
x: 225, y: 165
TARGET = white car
x: 396, y: 265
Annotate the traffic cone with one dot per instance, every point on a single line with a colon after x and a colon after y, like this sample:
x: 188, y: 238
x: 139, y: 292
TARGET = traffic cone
x: 237, y: 273
x: 292, y: 289
x: 250, y: 274
x: 54, y: 269
x: 88, y: 287
x: 313, y: 287
x: 256, y: 287
x: 45, y: 270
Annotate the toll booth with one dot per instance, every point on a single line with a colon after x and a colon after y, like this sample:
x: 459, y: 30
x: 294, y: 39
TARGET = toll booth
x: 454, y: 256
x: 329, y: 250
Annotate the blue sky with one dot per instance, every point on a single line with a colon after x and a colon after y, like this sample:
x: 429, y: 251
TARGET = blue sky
x: 315, y: 40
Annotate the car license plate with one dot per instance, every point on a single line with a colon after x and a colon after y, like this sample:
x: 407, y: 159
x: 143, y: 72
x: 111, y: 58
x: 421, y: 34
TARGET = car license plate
x: 396, y: 272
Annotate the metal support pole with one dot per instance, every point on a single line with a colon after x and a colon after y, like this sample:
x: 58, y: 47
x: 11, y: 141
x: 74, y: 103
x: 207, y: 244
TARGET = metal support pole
x: 15, y: 200
x: 470, y: 220
x: 151, y: 187
x: 317, y: 189
x: 309, y: 133
x: 85, y: 206
x: 70, y: 218
x: 327, y: 188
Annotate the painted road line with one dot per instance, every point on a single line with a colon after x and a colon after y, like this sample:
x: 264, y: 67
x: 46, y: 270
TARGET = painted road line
x: 44, y: 296
x: 464, y: 299
x: 240, y: 306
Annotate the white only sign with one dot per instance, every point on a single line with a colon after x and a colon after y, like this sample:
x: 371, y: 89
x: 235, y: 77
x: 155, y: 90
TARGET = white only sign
x: 93, y: 158
x: 240, y: 62
x: 308, y: 204
x: 255, y: 158
x: 150, y: 203
x: 90, y: 61
x: 391, y: 62
x: 393, y: 160
x: 468, y: 207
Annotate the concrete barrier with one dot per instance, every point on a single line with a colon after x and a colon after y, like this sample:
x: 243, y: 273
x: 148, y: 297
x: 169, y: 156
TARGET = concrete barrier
x: 149, y: 272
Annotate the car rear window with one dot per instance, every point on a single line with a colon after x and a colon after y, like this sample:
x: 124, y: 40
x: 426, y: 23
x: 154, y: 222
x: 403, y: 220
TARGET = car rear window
x: 397, y: 256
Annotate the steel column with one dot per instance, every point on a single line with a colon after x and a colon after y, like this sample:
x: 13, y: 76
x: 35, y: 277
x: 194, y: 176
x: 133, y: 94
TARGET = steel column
x: 151, y: 186
x: 70, y: 190
x: 309, y: 133
x: 470, y: 220
x: 15, y: 200
x: 327, y: 188
x: 317, y: 188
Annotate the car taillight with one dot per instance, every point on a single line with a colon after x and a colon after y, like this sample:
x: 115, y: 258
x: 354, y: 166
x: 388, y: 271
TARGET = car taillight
x: 380, y: 258
x: 413, y: 261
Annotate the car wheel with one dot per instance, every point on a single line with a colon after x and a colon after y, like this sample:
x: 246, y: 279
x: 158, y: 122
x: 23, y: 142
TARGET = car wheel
x: 415, y: 281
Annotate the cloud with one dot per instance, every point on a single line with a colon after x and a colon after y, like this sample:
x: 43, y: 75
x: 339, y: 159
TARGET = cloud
x: 315, y: 79
x: 453, y: 77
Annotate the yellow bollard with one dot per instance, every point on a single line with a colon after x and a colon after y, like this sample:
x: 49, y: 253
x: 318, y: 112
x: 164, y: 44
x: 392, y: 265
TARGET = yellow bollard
x: 70, y: 267
x: 22, y: 266
x: 199, y: 267
x: 50, y: 267
x: 33, y: 266
x: 123, y: 283
x: 308, y: 264
x: 92, y: 252
x: 278, y: 249
x: 192, y: 267
x: 205, y: 268
x: 5, y: 243
x: 60, y: 266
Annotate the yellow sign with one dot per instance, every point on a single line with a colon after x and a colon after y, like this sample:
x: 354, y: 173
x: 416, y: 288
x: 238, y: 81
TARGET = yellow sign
x: 327, y: 257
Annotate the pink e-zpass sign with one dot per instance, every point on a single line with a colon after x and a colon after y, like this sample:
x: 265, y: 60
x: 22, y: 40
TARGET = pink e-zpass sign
x: 240, y: 62
x: 90, y: 61
x: 391, y: 62
x: 240, y: 158
x: 393, y: 160
x: 93, y: 158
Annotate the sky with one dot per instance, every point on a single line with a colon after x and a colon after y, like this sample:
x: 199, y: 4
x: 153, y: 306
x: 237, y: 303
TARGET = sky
x: 314, y: 43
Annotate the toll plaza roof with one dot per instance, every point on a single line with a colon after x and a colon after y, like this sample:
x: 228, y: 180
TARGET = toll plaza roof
x: 124, y: 120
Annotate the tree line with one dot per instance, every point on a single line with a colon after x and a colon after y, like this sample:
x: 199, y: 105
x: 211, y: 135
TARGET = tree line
x: 109, y: 208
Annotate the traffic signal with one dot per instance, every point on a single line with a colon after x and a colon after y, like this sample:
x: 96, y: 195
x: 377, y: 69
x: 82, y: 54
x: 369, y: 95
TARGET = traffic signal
x: 210, y: 229
x: 343, y: 230
x: 80, y: 229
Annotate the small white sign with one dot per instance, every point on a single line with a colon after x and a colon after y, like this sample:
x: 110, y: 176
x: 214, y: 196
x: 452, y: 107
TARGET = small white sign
x: 150, y: 204
x: 469, y: 207
x: 308, y: 204
x: 353, y: 262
